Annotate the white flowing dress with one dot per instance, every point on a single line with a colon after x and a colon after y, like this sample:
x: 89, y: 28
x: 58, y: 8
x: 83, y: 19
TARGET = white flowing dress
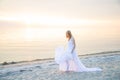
x: 70, y: 61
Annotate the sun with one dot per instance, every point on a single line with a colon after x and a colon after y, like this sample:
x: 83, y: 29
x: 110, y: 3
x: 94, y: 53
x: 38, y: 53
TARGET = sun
x: 28, y: 22
x: 29, y: 34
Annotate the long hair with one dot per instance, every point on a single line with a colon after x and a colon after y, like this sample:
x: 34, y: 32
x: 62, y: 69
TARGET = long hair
x: 69, y: 33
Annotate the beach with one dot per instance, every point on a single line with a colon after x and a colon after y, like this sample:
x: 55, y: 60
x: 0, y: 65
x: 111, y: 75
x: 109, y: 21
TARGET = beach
x: 47, y: 69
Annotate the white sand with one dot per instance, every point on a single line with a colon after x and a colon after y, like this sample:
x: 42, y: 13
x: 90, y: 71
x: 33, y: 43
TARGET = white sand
x: 48, y: 69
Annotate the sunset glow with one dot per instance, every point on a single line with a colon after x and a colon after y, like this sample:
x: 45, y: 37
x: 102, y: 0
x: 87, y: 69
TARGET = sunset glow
x: 33, y: 34
x: 29, y: 34
x: 46, y: 20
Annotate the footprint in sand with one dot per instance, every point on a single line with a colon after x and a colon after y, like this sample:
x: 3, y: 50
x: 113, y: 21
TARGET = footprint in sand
x: 38, y: 67
x: 22, y: 70
x: 52, y: 64
x: 25, y: 70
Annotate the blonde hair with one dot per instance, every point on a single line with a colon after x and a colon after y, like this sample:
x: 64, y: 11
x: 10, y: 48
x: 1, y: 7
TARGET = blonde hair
x: 69, y: 33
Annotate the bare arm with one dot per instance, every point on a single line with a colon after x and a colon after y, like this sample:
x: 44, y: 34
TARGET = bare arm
x: 74, y: 45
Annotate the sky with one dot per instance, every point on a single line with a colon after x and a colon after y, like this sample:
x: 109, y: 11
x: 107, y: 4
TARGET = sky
x: 61, y: 11
x: 21, y: 16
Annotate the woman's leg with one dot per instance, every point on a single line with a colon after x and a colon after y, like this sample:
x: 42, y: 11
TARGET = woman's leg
x: 67, y: 65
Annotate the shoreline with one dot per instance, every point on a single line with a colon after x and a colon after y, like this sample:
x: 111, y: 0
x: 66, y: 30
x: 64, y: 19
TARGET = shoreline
x: 46, y: 59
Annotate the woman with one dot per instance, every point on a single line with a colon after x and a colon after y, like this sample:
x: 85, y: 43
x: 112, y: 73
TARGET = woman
x: 68, y: 59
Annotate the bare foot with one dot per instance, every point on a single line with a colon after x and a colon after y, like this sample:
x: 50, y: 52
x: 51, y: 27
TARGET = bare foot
x: 62, y: 72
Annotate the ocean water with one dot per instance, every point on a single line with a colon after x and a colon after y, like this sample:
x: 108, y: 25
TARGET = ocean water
x: 22, y: 44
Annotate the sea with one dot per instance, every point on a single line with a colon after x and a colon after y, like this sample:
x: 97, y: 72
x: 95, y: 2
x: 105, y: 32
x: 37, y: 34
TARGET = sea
x: 30, y: 43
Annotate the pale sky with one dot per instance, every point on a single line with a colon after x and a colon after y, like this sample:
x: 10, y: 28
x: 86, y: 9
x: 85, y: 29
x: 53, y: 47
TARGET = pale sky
x: 102, y: 14
x: 60, y: 9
